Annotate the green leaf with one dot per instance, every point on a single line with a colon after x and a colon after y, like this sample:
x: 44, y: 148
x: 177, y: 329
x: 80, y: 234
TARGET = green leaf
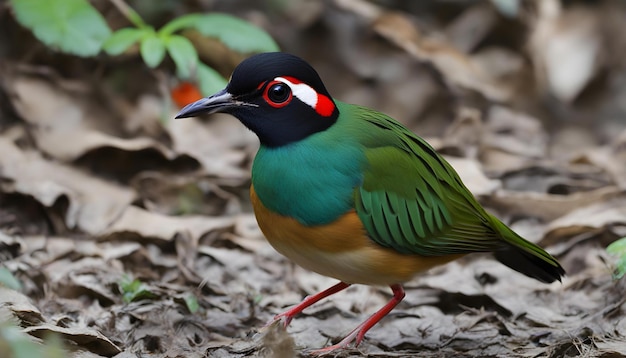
x: 135, y: 290
x: 237, y: 34
x: 7, y: 279
x: 184, y: 55
x: 142, y: 293
x: 179, y: 23
x: 618, y: 249
x: 192, y: 303
x: 122, y: 39
x: 18, y: 342
x: 72, y: 26
x: 152, y: 50
x: 210, y: 81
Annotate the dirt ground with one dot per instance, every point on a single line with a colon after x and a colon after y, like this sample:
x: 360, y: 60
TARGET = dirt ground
x: 132, y: 233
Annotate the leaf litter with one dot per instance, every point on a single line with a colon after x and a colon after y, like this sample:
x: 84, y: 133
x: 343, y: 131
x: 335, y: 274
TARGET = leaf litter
x: 96, y: 189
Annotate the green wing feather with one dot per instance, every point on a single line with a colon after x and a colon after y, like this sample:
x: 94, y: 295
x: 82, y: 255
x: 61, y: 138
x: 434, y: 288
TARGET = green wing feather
x: 413, y: 201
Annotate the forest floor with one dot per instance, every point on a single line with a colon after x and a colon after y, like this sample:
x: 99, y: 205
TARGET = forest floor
x: 132, y: 233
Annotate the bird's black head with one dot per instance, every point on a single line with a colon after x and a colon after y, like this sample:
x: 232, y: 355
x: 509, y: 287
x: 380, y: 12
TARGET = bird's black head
x: 278, y: 96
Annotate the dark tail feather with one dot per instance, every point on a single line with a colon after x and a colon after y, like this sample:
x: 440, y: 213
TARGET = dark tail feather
x: 525, y: 257
x: 530, y: 265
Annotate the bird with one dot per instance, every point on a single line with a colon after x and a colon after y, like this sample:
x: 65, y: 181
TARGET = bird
x: 351, y: 193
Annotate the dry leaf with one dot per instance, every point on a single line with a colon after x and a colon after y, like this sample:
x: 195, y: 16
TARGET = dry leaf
x: 16, y: 307
x: 82, y: 336
x: 548, y: 206
x: 93, y: 203
x: 585, y: 218
x: 66, y: 128
x: 611, y: 159
x: 514, y: 133
x: 217, y: 143
x: 142, y: 223
x: 453, y: 64
x: 473, y: 177
x: 565, y: 45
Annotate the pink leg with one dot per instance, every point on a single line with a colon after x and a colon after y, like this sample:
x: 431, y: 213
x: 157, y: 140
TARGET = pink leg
x: 359, y: 332
x: 309, y: 300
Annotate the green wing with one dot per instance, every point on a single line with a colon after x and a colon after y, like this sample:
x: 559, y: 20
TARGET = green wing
x: 413, y: 201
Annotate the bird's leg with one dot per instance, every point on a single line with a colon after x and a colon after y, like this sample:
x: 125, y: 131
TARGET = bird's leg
x: 308, y: 300
x: 359, y: 332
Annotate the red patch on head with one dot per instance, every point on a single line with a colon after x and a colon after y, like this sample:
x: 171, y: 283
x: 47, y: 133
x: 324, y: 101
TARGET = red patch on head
x: 293, y: 80
x: 324, y: 107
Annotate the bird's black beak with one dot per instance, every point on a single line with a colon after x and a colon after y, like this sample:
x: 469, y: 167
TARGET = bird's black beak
x: 218, y: 102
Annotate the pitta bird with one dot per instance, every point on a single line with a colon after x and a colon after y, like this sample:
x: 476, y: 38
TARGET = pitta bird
x: 350, y: 193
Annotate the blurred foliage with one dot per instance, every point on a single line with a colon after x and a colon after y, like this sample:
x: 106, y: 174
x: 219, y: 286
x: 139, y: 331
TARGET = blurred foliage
x: 134, y: 290
x: 76, y: 27
x: 618, y: 249
x: 71, y: 26
x: 16, y: 344
x: 7, y: 279
x: 191, y: 301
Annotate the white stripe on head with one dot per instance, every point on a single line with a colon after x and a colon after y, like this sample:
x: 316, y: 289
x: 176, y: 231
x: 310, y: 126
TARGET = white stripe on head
x: 304, y: 92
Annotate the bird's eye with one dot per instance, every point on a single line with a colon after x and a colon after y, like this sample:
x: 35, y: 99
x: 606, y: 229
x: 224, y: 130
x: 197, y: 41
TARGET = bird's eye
x: 277, y: 94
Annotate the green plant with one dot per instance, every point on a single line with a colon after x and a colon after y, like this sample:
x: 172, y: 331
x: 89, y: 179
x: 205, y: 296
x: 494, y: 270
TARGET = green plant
x: 76, y: 27
x: 71, y: 26
x: 7, y: 279
x: 191, y: 302
x: 134, y: 290
x: 618, y: 249
x: 14, y: 343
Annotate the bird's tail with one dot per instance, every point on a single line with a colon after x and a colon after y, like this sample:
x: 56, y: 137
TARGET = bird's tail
x: 525, y: 257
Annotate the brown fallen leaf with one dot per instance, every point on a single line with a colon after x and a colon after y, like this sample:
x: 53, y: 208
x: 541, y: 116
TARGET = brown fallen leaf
x: 473, y: 177
x: 610, y: 158
x: 511, y: 140
x: 565, y: 45
x: 599, y: 215
x: 457, y: 68
x: 471, y: 26
x: 462, y: 137
x: 515, y: 132
x: 93, y: 203
x: 221, y: 144
x: 189, y: 193
x: 85, y: 337
x: 17, y: 308
x: 145, y: 224
x: 547, y: 206
x: 66, y: 127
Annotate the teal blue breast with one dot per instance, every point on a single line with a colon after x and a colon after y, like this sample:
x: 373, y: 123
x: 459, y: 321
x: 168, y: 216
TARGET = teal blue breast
x: 312, y: 180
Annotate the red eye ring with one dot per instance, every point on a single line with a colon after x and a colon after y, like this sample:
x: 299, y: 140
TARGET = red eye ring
x: 277, y: 94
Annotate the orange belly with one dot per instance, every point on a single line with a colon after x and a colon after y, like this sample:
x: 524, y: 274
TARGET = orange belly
x: 341, y: 249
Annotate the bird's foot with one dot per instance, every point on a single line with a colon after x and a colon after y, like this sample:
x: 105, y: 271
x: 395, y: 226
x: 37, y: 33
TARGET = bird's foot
x: 287, y: 315
x: 359, y: 332
x: 309, y: 300
x: 355, y: 336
